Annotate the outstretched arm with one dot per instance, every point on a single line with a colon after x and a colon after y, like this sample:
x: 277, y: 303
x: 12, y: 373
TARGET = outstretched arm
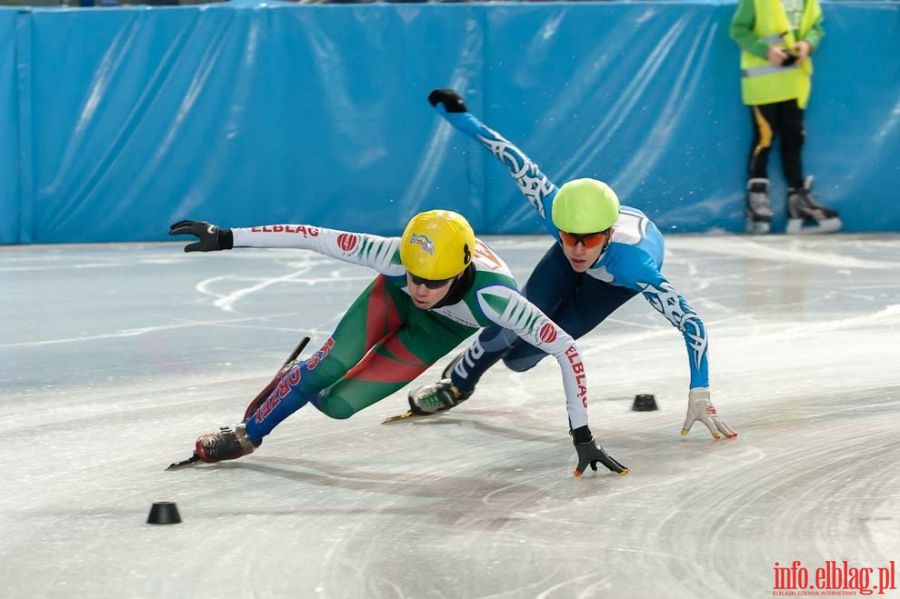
x: 511, y: 310
x: 378, y: 253
x: 533, y: 184
x: 668, y: 302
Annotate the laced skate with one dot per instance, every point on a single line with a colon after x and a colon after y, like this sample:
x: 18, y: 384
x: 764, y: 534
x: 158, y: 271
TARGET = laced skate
x: 758, y: 211
x: 806, y: 216
x: 433, y: 399
x: 229, y: 443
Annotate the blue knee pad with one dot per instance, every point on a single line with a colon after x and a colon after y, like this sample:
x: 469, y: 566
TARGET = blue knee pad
x: 497, y: 340
x: 521, y: 363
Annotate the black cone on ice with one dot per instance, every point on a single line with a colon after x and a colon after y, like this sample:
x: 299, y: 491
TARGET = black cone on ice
x: 164, y: 512
x: 644, y: 403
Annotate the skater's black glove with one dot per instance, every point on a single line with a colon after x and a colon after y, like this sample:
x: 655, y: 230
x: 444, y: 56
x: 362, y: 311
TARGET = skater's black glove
x: 212, y: 238
x: 590, y: 453
x: 449, y: 99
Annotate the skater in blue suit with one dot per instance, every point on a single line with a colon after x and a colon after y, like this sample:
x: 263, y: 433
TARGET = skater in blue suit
x: 604, y: 255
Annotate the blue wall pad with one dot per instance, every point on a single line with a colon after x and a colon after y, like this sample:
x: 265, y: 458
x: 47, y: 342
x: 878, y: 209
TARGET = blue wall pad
x: 117, y: 122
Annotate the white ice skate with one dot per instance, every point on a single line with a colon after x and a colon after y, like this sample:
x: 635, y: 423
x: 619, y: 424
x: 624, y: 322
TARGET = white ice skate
x: 758, y: 211
x: 807, y: 217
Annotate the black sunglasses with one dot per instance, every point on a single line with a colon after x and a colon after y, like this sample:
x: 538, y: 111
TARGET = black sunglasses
x: 429, y: 283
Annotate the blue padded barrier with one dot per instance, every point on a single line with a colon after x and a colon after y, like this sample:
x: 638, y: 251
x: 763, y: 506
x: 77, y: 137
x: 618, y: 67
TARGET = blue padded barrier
x: 10, y: 200
x: 116, y: 122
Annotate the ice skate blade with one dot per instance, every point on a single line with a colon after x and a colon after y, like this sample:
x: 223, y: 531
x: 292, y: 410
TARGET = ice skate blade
x: 191, y: 460
x: 408, y: 415
x: 829, y: 225
x: 398, y: 417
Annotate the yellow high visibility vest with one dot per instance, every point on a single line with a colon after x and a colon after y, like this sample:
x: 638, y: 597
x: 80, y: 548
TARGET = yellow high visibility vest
x: 762, y: 83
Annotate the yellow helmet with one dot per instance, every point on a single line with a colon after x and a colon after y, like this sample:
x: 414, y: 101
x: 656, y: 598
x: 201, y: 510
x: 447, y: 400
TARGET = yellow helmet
x: 437, y: 245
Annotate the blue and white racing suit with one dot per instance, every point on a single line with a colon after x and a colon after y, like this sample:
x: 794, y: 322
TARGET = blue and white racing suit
x: 578, y: 302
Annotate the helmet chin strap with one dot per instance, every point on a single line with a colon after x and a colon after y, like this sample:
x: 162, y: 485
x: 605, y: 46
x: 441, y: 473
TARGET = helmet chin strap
x: 606, y: 245
x: 458, y: 288
x: 603, y: 251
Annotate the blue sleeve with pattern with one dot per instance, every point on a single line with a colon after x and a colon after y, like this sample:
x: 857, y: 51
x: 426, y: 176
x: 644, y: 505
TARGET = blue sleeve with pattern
x: 635, y: 269
x: 534, y: 184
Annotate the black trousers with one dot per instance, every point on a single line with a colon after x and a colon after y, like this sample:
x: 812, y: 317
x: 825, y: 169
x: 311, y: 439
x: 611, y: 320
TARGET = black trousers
x: 785, y: 121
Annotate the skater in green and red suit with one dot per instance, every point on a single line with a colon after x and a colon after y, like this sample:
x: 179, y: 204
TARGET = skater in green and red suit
x: 437, y: 285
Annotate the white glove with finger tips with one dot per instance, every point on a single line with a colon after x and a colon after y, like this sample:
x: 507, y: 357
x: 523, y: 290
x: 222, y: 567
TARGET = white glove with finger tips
x: 700, y: 408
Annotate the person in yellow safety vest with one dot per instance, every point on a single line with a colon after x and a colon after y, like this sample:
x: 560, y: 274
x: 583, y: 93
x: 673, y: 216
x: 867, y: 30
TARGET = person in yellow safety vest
x: 776, y: 38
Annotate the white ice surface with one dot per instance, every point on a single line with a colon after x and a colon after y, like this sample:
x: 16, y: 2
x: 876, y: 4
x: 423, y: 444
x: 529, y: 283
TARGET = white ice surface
x: 115, y: 357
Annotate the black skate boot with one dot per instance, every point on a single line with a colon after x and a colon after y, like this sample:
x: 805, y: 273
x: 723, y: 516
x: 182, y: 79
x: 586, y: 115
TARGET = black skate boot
x: 805, y: 216
x: 227, y: 444
x: 436, y: 397
x: 759, y: 214
x: 446, y: 373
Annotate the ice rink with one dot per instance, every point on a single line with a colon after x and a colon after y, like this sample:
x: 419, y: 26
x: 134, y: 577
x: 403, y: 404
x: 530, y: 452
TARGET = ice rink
x: 116, y: 357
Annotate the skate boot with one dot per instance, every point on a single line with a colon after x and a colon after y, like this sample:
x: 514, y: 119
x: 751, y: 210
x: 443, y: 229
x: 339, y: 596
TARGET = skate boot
x: 448, y: 370
x: 759, y: 214
x: 805, y: 216
x: 436, y: 397
x: 229, y: 443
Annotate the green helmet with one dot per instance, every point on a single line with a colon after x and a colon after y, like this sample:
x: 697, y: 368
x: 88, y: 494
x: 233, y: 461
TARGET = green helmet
x: 585, y: 206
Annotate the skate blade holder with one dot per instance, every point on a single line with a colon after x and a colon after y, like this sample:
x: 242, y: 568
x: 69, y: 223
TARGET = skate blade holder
x: 829, y: 225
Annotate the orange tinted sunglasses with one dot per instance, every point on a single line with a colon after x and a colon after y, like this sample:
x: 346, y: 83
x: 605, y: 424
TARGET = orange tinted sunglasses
x: 588, y: 240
